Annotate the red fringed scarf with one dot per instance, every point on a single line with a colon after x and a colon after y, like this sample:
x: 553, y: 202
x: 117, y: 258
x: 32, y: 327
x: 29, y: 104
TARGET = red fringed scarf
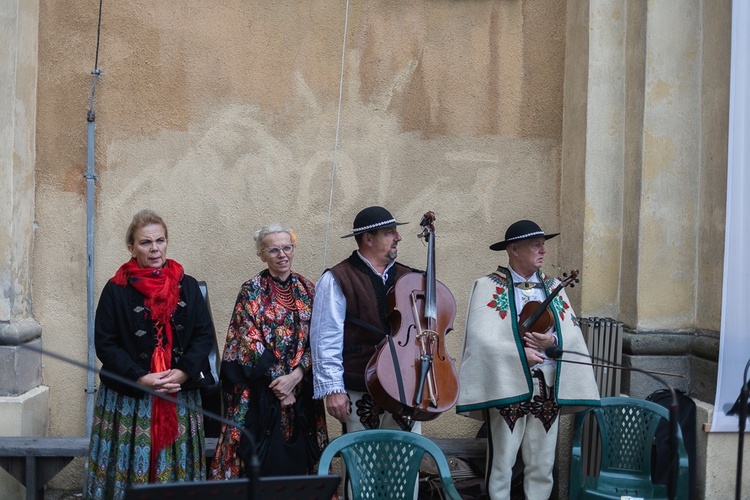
x: 162, y: 292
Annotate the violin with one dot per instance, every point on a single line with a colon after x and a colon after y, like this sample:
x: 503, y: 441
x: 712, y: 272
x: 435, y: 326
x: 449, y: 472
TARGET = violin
x: 411, y: 374
x: 537, y: 316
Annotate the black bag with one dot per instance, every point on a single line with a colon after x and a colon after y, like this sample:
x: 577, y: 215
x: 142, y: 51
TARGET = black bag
x: 277, y: 456
x: 305, y: 421
x: 686, y: 419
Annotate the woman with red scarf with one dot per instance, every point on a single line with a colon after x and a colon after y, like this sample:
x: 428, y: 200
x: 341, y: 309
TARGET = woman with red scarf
x: 153, y: 328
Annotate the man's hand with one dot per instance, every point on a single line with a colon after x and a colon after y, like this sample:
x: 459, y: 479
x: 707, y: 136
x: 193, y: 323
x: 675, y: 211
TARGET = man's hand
x: 532, y: 356
x: 338, y: 406
x: 538, y: 341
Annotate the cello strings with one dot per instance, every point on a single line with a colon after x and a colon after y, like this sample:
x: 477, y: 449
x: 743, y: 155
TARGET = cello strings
x: 336, y: 141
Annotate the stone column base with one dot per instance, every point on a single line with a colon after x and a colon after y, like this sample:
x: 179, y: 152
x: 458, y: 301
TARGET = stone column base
x: 24, y: 415
x: 20, y: 357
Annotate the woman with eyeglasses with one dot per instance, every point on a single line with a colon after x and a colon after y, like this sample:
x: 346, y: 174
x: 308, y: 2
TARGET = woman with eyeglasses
x: 265, y: 370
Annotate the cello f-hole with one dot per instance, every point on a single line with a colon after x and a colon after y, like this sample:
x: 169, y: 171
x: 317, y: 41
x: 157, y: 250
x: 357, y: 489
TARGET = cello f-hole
x: 439, y: 350
x: 408, y: 335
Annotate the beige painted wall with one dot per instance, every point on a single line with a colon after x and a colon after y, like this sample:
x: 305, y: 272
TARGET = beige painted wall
x: 222, y: 117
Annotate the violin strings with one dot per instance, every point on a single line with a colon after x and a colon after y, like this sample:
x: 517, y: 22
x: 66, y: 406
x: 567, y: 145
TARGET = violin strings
x: 336, y: 141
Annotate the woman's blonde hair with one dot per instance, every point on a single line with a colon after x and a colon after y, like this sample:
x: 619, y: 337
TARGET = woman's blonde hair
x: 144, y: 218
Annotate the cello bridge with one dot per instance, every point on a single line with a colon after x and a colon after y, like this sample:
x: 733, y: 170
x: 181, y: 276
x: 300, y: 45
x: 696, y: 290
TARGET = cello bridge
x: 430, y: 334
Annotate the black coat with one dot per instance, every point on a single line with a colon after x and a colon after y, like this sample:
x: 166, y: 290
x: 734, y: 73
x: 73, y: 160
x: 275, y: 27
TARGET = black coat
x: 125, y: 336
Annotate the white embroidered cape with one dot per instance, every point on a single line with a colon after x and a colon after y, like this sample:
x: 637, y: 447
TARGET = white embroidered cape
x: 494, y: 371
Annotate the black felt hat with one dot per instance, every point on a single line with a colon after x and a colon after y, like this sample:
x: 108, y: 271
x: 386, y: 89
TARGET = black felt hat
x: 372, y: 218
x: 521, y: 230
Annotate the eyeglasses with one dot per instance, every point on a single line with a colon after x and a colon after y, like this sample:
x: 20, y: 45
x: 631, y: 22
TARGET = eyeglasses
x: 276, y: 251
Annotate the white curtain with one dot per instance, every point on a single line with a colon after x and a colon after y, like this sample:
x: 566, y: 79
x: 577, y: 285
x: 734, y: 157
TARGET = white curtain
x: 735, y: 315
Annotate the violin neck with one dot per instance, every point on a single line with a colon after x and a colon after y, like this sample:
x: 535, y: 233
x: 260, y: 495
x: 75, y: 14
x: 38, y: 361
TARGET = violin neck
x: 430, y: 300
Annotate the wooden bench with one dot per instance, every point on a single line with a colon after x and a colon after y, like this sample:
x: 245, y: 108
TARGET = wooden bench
x: 462, y: 447
x: 451, y: 447
x: 33, y: 461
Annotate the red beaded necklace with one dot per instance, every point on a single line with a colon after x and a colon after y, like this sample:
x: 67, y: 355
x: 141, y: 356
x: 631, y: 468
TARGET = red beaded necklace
x: 284, y: 295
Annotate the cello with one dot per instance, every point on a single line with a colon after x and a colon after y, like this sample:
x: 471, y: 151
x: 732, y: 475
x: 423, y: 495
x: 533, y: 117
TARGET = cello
x: 411, y: 373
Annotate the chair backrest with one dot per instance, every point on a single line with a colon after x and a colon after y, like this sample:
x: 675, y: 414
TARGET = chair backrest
x: 211, y: 394
x: 385, y: 463
x: 214, y: 356
x: 627, y: 427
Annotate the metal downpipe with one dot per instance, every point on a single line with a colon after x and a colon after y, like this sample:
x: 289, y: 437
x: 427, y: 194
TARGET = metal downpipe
x: 90, y: 176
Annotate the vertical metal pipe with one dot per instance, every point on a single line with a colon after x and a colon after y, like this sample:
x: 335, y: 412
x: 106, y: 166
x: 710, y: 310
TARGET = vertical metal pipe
x: 90, y: 308
x: 90, y: 176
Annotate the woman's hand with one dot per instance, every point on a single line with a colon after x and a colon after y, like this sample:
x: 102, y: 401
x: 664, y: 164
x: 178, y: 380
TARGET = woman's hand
x: 289, y: 400
x: 284, y: 385
x: 168, y: 381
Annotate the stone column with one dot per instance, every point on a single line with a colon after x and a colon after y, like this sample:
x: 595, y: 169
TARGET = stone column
x: 23, y: 399
x: 677, y: 68
x: 643, y: 180
x: 592, y: 180
x: 593, y: 152
x: 631, y: 158
x: 644, y: 163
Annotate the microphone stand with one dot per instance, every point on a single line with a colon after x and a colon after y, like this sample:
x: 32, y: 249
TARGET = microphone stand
x: 742, y: 402
x: 600, y: 365
x: 252, y: 468
x: 556, y: 353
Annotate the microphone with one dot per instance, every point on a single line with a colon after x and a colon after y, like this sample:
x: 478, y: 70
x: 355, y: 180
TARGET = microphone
x: 252, y: 468
x: 556, y: 353
x: 553, y: 352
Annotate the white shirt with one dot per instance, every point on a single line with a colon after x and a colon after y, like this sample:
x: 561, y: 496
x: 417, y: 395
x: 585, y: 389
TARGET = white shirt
x: 327, y: 333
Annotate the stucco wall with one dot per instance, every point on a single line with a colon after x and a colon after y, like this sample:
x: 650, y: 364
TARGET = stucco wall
x: 222, y: 117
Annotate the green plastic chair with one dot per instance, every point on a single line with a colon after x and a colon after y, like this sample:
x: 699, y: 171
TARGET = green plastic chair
x: 626, y: 427
x: 384, y: 463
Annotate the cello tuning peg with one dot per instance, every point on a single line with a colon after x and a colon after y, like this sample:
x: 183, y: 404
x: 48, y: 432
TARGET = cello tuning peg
x: 577, y: 280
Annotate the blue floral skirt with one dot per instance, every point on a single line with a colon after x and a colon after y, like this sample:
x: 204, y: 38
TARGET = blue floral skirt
x: 120, y: 449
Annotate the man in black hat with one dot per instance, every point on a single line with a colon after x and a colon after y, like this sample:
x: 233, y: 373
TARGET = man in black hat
x: 505, y: 377
x: 349, y: 320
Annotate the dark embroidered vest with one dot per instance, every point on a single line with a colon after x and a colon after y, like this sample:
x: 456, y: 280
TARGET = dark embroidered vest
x: 365, y: 295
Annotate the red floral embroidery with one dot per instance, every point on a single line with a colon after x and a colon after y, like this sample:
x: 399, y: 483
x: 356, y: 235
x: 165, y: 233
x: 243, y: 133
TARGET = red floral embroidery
x: 562, y: 306
x: 499, y: 302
